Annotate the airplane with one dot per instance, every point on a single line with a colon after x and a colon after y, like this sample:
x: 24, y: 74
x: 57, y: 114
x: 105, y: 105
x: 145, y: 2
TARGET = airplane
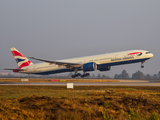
x: 101, y: 62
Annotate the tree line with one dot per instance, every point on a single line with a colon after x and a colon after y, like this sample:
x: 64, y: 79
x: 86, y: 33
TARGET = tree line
x: 136, y: 75
x: 123, y: 75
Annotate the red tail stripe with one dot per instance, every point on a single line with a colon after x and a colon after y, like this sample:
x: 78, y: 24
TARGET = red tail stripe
x: 15, y: 53
x: 25, y: 64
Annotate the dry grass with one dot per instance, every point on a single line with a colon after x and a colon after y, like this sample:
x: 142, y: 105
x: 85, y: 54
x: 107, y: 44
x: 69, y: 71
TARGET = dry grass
x: 82, y: 103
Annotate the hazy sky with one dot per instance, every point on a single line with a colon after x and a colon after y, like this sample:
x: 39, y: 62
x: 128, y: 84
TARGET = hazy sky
x: 73, y: 28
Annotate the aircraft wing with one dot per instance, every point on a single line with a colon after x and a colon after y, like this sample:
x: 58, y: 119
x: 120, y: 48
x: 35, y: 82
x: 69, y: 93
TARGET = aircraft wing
x: 67, y: 64
x: 13, y: 69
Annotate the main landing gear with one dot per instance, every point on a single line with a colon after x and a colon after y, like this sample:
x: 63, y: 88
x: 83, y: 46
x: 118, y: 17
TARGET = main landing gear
x: 82, y: 76
x: 76, y: 75
x: 142, y: 66
x: 85, y: 75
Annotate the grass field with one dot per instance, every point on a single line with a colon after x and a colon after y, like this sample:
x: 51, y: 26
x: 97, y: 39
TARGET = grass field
x: 80, y: 103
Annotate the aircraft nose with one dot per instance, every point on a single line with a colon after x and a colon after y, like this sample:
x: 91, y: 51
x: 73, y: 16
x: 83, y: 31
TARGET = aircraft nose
x: 151, y: 55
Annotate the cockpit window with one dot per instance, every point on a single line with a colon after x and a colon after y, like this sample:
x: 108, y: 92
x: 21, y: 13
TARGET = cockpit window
x: 148, y: 52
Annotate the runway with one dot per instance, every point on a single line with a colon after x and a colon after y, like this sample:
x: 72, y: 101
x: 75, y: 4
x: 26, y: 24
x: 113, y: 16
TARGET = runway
x: 121, y: 83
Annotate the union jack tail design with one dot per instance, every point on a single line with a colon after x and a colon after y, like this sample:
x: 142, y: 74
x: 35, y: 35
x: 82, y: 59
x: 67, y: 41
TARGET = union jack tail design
x: 21, y: 60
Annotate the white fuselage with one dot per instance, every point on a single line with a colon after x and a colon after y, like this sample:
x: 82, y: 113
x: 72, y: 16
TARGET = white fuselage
x: 108, y: 59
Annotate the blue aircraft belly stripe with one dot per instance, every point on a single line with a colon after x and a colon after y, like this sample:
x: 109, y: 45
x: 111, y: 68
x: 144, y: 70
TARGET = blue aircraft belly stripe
x: 121, y: 63
x: 99, y: 66
x: 55, y: 71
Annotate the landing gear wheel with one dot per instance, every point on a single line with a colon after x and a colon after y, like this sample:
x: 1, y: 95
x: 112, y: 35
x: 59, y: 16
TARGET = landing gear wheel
x: 82, y: 76
x: 73, y: 76
x: 142, y: 64
x: 76, y: 75
x: 85, y: 75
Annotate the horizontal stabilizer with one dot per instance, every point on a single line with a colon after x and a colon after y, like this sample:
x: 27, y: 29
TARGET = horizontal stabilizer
x: 13, y: 69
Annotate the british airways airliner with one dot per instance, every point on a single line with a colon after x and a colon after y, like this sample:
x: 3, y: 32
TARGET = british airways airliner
x: 102, y: 62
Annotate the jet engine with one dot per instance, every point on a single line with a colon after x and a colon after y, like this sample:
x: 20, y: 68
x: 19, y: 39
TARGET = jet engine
x: 89, y: 66
x: 107, y: 68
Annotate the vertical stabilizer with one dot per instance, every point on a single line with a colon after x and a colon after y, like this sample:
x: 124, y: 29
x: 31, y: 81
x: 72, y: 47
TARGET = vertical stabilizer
x: 21, y: 60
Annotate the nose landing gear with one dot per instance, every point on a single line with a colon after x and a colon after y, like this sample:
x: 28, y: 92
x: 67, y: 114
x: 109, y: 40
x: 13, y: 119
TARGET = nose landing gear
x: 142, y: 66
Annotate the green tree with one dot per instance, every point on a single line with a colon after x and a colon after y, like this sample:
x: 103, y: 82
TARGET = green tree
x: 148, y: 76
x: 159, y: 75
x: 124, y: 74
x: 93, y: 76
x: 99, y: 76
x: 103, y: 76
x: 138, y: 75
x: 116, y: 76
x: 155, y: 76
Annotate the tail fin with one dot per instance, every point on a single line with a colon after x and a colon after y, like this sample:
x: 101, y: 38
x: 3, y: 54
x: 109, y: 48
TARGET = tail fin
x: 21, y: 60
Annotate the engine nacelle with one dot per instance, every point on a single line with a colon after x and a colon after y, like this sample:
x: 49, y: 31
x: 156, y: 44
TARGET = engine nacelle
x: 89, y: 66
x: 105, y: 68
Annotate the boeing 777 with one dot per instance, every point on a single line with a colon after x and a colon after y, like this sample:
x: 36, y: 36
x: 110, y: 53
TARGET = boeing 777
x: 102, y: 62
